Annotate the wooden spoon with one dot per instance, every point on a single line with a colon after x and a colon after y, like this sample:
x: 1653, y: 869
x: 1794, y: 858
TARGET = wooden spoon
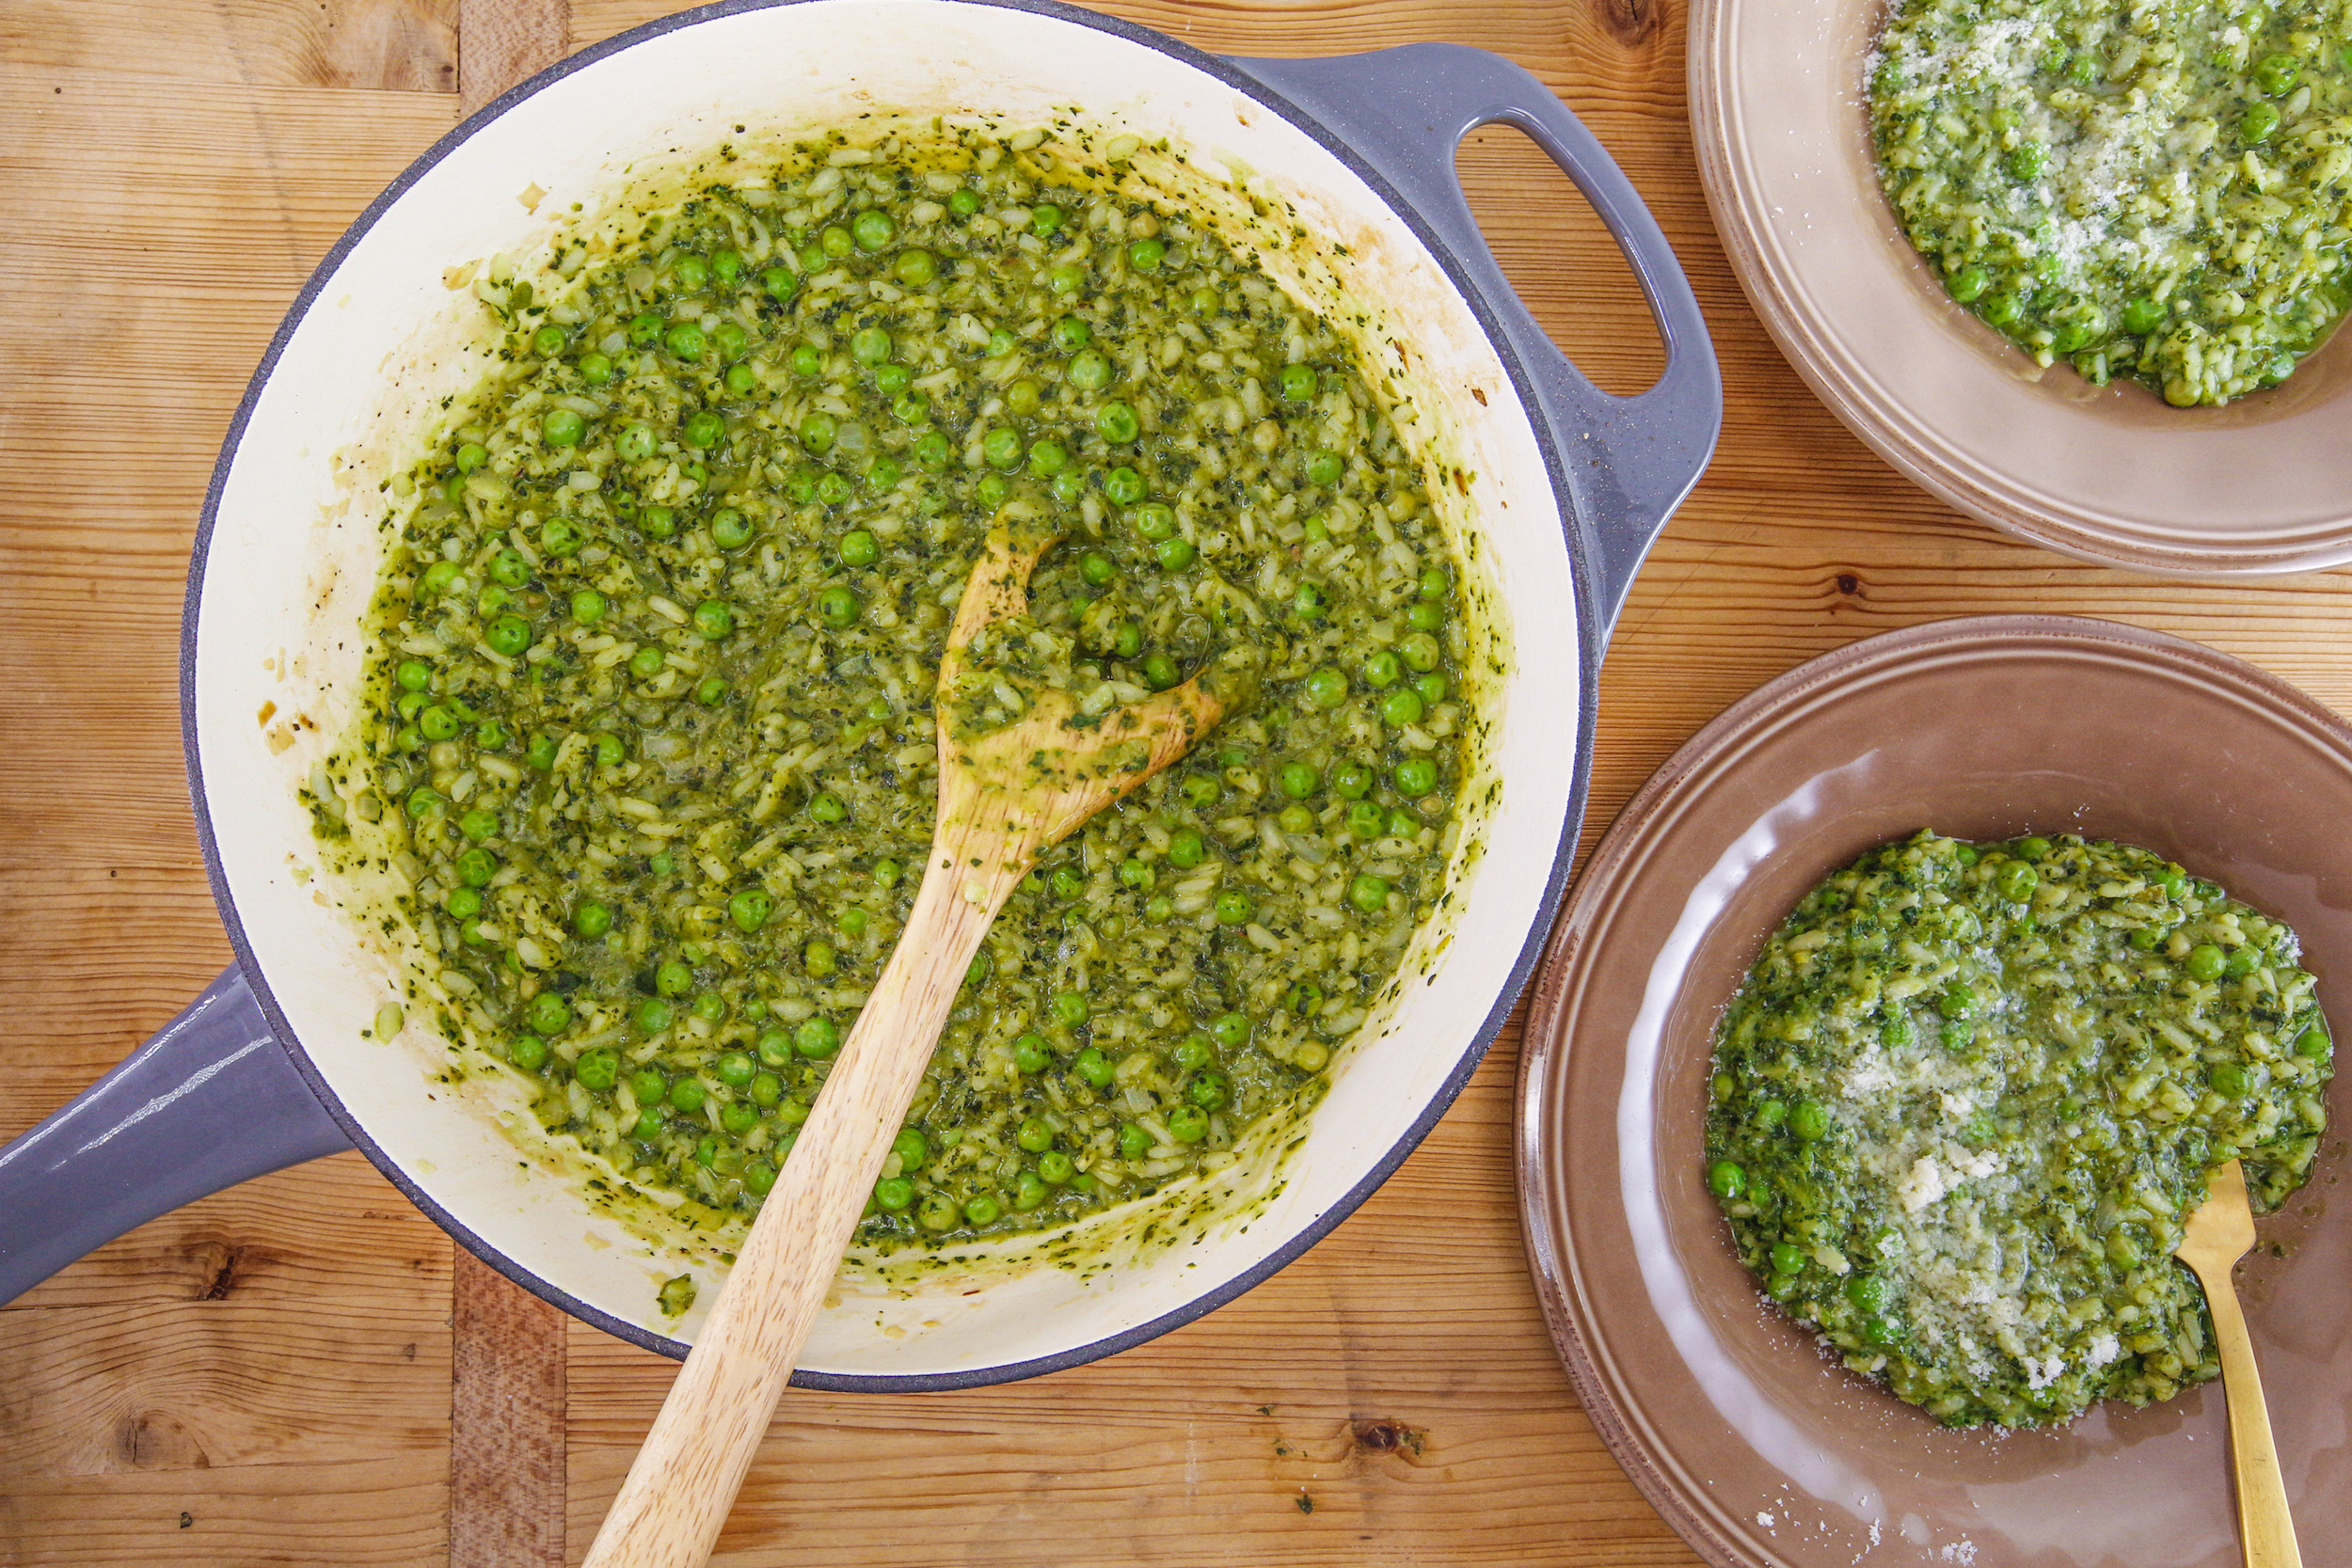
x: 1004, y: 797
x: 2220, y: 1233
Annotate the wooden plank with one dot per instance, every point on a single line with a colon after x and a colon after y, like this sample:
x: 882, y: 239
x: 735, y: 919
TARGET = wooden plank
x: 389, y: 45
x: 506, y: 1423
x: 506, y: 40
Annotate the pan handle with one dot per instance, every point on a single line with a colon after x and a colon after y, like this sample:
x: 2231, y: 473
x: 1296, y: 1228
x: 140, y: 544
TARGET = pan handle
x: 211, y: 1100
x: 1629, y: 461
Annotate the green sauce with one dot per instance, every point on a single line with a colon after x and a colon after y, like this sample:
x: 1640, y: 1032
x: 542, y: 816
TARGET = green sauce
x: 1969, y: 1094
x: 2159, y: 191
x: 652, y: 739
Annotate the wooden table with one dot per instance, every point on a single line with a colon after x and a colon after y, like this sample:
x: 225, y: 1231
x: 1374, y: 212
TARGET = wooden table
x: 267, y: 1377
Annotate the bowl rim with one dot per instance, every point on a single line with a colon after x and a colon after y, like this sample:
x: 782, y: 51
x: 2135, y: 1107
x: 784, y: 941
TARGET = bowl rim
x: 1231, y: 75
x: 1543, y: 1180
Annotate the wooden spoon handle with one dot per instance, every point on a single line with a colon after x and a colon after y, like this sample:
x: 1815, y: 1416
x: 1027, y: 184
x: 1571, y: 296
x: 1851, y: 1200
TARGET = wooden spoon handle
x: 2266, y: 1528
x: 670, y: 1509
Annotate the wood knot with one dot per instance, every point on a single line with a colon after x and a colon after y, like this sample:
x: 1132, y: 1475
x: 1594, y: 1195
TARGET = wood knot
x: 1383, y: 1435
x: 1632, y: 22
x: 1848, y: 583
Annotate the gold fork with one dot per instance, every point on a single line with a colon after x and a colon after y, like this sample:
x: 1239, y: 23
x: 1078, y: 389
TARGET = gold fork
x: 2220, y: 1233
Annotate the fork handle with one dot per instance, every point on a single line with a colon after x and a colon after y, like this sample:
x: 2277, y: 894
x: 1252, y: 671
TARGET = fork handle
x: 2266, y: 1528
x: 677, y: 1494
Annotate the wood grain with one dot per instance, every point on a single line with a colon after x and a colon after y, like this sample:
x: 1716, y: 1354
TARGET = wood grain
x: 505, y: 40
x: 155, y: 237
x: 506, y: 1468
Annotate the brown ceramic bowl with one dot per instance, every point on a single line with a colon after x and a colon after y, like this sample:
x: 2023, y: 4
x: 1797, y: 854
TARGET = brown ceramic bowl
x: 1758, y: 1447
x: 1781, y: 126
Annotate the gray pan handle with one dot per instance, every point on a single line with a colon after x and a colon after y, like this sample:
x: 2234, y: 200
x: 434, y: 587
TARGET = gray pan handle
x: 212, y: 1101
x: 1630, y: 461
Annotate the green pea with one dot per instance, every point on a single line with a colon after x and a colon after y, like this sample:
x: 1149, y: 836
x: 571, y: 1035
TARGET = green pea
x: 1066, y: 883
x: 436, y: 579
x: 1368, y: 893
x: 1090, y: 372
x: 471, y: 456
x: 749, y: 909
x: 1366, y: 819
x: 1159, y: 672
x: 818, y: 1035
x: 1125, y: 487
x: 870, y: 345
x: 1309, y: 601
x: 1188, y: 1124
x: 527, y: 1052
x: 1147, y: 254
x: 597, y: 1070
x: 1400, y: 706
x: 1202, y: 790
x: 549, y: 1014
x: 687, y: 1095
x: 1809, y: 1120
x: 539, y: 755
x: 1091, y: 1065
x: 1185, y: 849
x: 2276, y: 74
x: 1071, y: 333
x: 590, y: 919
x: 1233, y: 908
x: 939, y: 1213
x: 684, y: 339
x: 915, y: 268
x: 730, y: 339
x: 1420, y: 652
x: 1000, y: 343
x: 838, y: 607
x: 892, y: 1193
x: 1056, y: 1168
x: 873, y: 230
x: 2312, y: 1044
x: 655, y: 1015
x: 674, y: 978
x: 1001, y: 447
x: 2141, y: 316
x: 1134, y: 1142
x: 657, y: 522
x: 2003, y: 310
x: 2205, y: 962
x: 647, y: 661
x: 463, y: 903
x: 562, y: 427
x: 1070, y: 1008
x: 825, y: 806
x: 775, y: 1047
x: 1726, y: 1181
x: 832, y: 488
x: 982, y: 1210
x: 1206, y: 1091
x: 479, y: 823
x: 1298, y: 382
x: 1868, y: 1293
x: 1066, y: 278
x: 1115, y: 422
x: 1295, y: 818
x: 1789, y: 1258
x: 438, y: 722
x: 817, y: 432
x: 2026, y: 162
x: 1298, y: 780
x: 1323, y: 469
x: 2257, y: 122
x: 509, y: 634
x: 1175, y: 554
x: 1048, y: 458
x: 1414, y: 777
x: 611, y: 750
x: 714, y: 619
x: 2229, y: 1079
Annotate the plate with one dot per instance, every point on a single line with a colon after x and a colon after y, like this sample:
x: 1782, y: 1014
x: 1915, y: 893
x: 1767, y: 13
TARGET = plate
x: 2114, y: 475
x: 1750, y: 1442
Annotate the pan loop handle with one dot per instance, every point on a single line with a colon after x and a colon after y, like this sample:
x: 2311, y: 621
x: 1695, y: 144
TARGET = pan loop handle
x: 211, y: 1100
x: 1628, y: 462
